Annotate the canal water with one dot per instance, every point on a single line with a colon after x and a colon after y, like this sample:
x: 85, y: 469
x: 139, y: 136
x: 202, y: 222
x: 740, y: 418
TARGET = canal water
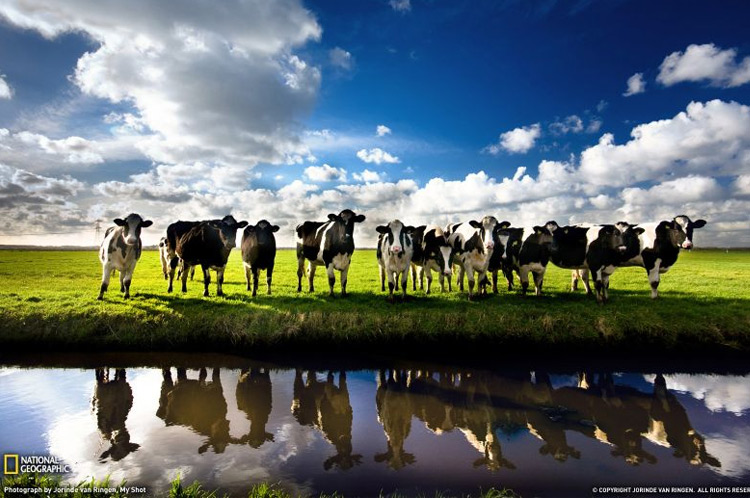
x: 360, y: 432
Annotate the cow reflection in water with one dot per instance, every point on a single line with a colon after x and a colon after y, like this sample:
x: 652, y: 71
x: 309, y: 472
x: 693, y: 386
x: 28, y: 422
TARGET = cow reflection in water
x: 197, y: 404
x: 394, y: 413
x: 112, y: 401
x: 254, y: 398
x: 327, y: 407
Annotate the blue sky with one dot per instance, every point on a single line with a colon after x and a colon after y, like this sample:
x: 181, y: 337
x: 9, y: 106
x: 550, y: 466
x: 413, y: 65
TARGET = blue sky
x: 575, y: 111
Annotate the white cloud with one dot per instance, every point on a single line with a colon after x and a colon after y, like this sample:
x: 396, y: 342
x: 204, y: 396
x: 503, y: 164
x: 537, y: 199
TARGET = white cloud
x: 6, y: 92
x: 325, y: 173
x: 741, y: 186
x: 382, y: 130
x: 705, y: 62
x: 341, y: 58
x: 377, y: 156
x: 707, y: 139
x: 400, y: 5
x: 594, y: 126
x: 636, y: 85
x: 368, y: 176
x: 219, y: 85
x: 516, y: 141
x: 691, y: 188
x: 571, y: 124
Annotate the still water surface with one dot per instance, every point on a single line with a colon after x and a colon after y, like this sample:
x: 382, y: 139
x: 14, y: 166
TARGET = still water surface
x: 362, y: 431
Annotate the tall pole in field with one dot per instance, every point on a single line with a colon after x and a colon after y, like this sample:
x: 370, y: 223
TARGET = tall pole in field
x: 97, y: 229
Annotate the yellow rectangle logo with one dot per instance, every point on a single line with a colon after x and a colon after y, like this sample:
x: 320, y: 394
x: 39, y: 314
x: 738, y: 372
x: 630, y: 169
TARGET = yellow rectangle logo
x: 10, y: 464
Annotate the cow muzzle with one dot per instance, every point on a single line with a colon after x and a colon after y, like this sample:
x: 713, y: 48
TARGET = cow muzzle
x: 687, y: 245
x: 396, y: 249
x: 490, y: 245
x: 131, y: 241
x: 447, y: 272
x: 622, y: 248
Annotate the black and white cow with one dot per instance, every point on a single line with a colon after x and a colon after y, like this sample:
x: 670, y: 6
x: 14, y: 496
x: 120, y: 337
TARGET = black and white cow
x: 395, y: 251
x: 533, y: 257
x: 120, y: 250
x: 431, y: 252
x: 259, y: 252
x: 474, y: 243
x: 507, y: 249
x: 328, y: 243
x: 208, y: 244
x: 658, y: 245
x: 164, y: 257
x: 596, y: 248
x: 174, y: 232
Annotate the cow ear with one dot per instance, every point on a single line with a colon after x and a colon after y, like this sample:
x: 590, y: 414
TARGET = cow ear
x: 475, y: 224
x: 504, y: 225
x: 242, y: 224
x: 333, y: 217
x: 639, y: 230
x: 249, y: 229
x: 359, y: 218
x: 382, y: 229
x: 275, y: 228
x: 409, y: 229
x: 538, y: 229
x: 119, y: 222
x: 699, y: 223
x: 147, y: 223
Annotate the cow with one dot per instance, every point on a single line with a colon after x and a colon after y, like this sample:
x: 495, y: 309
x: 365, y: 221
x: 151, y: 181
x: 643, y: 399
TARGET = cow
x: 112, y: 401
x: 431, y: 252
x: 533, y: 257
x: 507, y: 250
x: 164, y: 257
x: 395, y: 412
x: 395, y: 252
x: 328, y: 243
x: 174, y: 232
x: 254, y: 398
x: 659, y: 246
x: 259, y: 252
x: 474, y: 242
x: 596, y: 248
x: 208, y: 244
x: 121, y: 250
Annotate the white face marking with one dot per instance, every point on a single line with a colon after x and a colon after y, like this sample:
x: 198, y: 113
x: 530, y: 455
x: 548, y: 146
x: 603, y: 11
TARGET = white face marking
x: 504, y: 241
x: 446, y: 252
x: 396, y: 227
x: 132, y: 237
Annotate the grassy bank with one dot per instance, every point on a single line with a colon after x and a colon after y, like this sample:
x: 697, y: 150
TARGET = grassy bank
x: 47, y: 302
x: 33, y: 485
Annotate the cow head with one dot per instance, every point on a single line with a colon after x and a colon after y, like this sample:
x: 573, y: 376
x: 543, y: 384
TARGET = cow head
x: 612, y: 238
x: 263, y: 230
x: 630, y: 238
x: 543, y: 234
x: 488, y: 229
x: 397, y: 236
x: 348, y: 218
x: 687, y: 226
x: 228, y: 231
x: 440, y: 249
x: 509, y: 239
x: 131, y: 227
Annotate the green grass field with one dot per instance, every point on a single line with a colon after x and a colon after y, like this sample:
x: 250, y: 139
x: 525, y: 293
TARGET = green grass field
x: 48, y: 301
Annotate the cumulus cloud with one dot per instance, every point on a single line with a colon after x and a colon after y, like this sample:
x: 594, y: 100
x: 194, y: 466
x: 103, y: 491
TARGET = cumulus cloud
x: 636, y: 84
x: 341, y: 58
x: 570, y: 124
x: 220, y: 85
x: 377, y: 156
x: 516, y: 141
x: 400, y: 5
x: 705, y: 62
x: 325, y: 173
x: 6, y: 92
x: 368, y: 176
x: 708, y: 139
x: 382, y: 130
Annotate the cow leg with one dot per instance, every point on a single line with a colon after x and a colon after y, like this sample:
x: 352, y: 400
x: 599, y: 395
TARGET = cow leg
x: 599, y: 287
x: 206, y: 279
x: 269, y: 278
x: 460, y: 278
x: 106, y: 273
x: 508, y: 272
x: 404, y: 275
x: 573, y: 280
x: 605, y: 282
x: 300, y: 271
x: 494, y: 281
x: 248, y: 272
x: 470, y: 278
x: 584, y: 274
x: 184, y: 276
x: 344, y: 278
x: 192, y: 273
x: 523, y: 276
x: 381, y: 273
x: 413, y: 277
x: 172, y: 267
x: 126, y: 277
x: 122, y: 281
x: 220, y: 281
x: 331, y: 277
x: 391, y: 285
x: 538, y: 281
x: 311, y: 276
x: 653, y: 278
x: 426, y: 272
x: 255, y: 281
x: 441, y: 280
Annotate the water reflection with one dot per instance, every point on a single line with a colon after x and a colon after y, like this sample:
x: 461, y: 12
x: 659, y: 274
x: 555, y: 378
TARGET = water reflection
x: 112, y: 401
x: 461, y: 428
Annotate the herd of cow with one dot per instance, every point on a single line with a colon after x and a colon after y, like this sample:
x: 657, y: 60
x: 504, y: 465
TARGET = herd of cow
x: 483, y: 248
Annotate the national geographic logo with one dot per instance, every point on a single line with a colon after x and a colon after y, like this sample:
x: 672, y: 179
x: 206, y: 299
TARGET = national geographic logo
x: 14, y: 464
